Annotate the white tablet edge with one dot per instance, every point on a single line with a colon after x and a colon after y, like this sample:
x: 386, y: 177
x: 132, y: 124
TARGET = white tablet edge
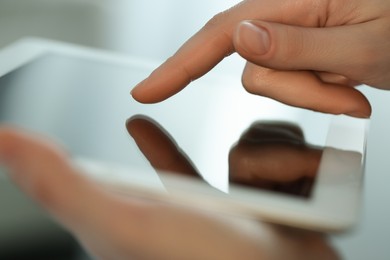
x: 25, y: 50
x: 334, y: 206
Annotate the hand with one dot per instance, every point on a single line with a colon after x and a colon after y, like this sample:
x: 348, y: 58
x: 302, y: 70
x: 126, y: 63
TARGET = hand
x: 114, y: 227
x: 304, y: 53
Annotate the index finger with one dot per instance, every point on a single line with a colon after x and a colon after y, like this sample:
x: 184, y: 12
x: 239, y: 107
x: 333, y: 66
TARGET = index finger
x: 195, y: 58
x: 211, y: 45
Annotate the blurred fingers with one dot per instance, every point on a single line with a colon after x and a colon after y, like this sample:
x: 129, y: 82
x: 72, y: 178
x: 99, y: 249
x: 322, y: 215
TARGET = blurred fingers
x: 45, y: 173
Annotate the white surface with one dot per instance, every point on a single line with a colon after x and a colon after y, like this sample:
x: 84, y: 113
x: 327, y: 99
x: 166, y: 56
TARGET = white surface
x: 370, y: 239
x: 149, y: 29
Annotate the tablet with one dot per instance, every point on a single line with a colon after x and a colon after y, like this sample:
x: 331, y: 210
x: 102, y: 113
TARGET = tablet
x: 213, y: 146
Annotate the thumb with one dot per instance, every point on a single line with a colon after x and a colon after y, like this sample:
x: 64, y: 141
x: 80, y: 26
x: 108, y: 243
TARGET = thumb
x: 339, y: 49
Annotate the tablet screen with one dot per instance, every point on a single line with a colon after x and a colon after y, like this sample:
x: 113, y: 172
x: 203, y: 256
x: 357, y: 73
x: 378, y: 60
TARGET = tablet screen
x: 238, y: 145
x: 217, y: 133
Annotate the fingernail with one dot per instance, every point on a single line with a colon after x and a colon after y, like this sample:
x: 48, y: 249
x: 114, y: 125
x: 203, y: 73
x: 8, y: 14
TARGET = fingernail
x: 253, y: 39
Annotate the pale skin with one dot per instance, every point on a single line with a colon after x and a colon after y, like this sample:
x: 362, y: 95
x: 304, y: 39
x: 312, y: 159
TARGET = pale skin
x: 309, y: 54
x: 304, y: 53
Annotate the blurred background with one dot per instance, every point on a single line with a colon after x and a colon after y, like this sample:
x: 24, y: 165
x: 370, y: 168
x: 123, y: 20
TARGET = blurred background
x: 149, y: 29
x: 153, y: 30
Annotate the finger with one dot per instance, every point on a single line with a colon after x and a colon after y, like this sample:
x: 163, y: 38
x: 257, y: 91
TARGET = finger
x: 37, y: 167
x: 214, y: 42
x: 44, y: 172
x: 304, y: 89
x: 117, y: 229
x: 342, y: 50
x: 159, y: 147
x: 112, y: 227
x: 97, y: 218
x: 198, y: 56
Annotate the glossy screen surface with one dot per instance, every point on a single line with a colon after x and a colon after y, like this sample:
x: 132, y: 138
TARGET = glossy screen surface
x: 213, y: 131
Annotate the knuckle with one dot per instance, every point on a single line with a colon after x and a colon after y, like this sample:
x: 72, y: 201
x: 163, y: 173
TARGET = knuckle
x: 216, y: 20
x: 370, y: 63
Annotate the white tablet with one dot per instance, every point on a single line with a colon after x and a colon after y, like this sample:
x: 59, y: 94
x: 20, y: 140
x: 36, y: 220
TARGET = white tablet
x: 212, y: 146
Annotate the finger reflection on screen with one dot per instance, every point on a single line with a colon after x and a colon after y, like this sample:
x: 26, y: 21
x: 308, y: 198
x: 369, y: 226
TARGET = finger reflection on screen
x: 159, y: 147
x: 273, y: 155
x: 270, y: 155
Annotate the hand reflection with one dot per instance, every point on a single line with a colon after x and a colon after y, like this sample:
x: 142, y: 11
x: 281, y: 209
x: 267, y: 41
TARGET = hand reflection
x: 269, y: 155
x: 274, y: 156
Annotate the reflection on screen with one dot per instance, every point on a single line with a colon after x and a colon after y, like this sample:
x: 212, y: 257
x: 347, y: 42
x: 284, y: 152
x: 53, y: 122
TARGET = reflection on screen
x: 212, y: 145
x: 270, y: 155
x: 218, y: 133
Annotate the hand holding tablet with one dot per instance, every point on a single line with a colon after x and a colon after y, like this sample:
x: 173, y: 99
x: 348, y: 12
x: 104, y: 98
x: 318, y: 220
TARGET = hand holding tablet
x: 115, y: 227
